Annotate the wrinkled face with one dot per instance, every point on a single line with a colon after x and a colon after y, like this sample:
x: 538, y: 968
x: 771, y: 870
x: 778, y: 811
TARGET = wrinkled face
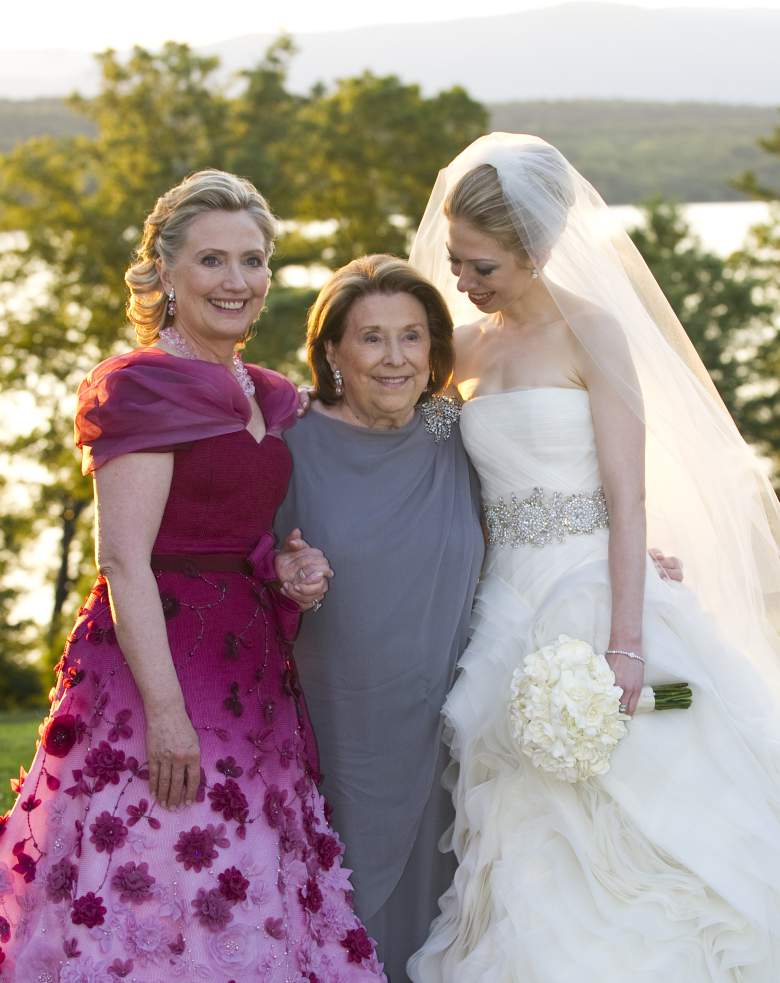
x: 383, y: 355
x: 493, y: 277
x: 220, y: 276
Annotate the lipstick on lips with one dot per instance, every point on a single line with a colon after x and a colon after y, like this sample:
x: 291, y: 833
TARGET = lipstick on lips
x: 480, y: 300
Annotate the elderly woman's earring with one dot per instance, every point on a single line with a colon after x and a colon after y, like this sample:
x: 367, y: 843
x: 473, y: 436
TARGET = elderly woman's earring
x: 338, y: 380
x: 171, y: 302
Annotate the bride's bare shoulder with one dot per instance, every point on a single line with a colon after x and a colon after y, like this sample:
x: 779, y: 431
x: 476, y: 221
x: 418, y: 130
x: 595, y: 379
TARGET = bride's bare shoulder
x: 466, y: 335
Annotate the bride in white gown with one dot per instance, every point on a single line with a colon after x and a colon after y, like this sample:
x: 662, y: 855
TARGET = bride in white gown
x: 578, y: 378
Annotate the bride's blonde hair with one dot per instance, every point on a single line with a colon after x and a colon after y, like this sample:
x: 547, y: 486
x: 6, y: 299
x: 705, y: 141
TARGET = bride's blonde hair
x: 479, y: 199
x: 165, y: 230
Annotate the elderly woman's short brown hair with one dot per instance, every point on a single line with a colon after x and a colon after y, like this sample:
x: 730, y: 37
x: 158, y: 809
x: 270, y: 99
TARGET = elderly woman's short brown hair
x: 378, y: 274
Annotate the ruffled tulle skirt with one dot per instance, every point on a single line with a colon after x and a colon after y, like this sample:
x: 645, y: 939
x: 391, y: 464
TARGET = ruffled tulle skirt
x: 667, y: 868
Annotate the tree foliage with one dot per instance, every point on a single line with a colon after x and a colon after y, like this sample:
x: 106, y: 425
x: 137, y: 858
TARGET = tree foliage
x: 727, y: 315
x: 368, y: 153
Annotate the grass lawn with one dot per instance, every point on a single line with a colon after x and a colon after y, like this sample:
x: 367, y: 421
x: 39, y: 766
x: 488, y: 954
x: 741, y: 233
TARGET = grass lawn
x: 18, y: 733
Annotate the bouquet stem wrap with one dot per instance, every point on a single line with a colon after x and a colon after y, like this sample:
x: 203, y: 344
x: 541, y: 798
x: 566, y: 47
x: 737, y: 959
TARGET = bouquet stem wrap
x: 670, y: 696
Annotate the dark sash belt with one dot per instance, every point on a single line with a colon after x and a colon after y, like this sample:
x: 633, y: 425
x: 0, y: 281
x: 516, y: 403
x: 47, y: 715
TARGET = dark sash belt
x: 201, y: 562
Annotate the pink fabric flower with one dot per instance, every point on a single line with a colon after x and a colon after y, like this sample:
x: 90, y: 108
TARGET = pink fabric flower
x: 230, y: 801
x: 121, y: 729
x: 234, y: 949
x: 233, y: 884
x: 134, y: 882
x: 25, y: 865
x: 88, y: 910
x: 212, y: 910
x: 274, y: 807
x: 105, y: 764
x: 108, y: 832
x: 60, y: 880
x: 84, y: 970
x: 329, y: 849
x: 121, y: 969
x: 196, y: 848
x: 60, y: 735
x: 310, y: 895
x: 139, y: 812
x: 275, y: 928
x: 229, y: 768
x: 358, y: 945
x: 146, y: 938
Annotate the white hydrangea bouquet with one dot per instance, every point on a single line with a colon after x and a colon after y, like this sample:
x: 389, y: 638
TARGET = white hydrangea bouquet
x: 564, y: 709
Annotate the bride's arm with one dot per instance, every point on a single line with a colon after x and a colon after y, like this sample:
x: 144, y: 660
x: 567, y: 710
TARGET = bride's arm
x: 620, y: 444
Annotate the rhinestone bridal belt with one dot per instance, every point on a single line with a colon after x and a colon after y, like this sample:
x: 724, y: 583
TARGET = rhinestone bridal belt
x: 544, y: 517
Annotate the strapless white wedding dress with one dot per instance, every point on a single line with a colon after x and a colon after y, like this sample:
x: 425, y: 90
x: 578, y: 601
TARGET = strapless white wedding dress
x: 667, y: 868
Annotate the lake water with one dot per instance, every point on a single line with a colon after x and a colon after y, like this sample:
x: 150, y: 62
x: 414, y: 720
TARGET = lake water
x: 722, y: 226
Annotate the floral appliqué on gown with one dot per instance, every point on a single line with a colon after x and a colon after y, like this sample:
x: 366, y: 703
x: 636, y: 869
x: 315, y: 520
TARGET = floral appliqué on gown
x: 97, y: 882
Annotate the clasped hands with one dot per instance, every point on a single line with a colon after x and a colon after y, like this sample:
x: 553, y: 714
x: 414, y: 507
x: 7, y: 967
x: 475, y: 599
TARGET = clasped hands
x: 303, y: 572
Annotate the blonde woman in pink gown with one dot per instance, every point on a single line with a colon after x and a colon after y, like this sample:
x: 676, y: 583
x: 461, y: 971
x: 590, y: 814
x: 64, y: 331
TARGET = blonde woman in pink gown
x: 170, y: 826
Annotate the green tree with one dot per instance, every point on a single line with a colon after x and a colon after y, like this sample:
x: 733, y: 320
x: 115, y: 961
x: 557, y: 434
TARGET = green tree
x: 725, y: 314
x: 749, y: 183
x: 74, y: 206
x: 368, y: 154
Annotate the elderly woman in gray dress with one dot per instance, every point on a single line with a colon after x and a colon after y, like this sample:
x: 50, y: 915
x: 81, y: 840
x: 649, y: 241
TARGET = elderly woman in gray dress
x: 382, y: 482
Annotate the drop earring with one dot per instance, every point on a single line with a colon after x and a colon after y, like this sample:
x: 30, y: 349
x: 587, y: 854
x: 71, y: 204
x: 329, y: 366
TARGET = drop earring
x: 534, y: 274
x: 171, y: 308
x: 338, y: 380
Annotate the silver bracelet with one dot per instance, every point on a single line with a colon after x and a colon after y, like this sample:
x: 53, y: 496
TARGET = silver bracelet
x: 629, y: 655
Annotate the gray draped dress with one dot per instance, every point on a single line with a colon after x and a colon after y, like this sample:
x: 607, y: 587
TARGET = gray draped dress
x: 397, y: 515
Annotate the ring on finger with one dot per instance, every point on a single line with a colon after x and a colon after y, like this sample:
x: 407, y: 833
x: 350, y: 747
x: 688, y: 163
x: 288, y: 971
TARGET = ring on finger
x: 317, y: 605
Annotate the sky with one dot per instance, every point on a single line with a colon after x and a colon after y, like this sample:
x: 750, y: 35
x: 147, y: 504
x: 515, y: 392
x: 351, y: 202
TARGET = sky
x: 91, y: 25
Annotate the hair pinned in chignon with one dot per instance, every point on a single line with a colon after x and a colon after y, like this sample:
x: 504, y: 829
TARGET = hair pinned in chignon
x: 538, y: 183
x: 478, y: 199
x: 165, y: 230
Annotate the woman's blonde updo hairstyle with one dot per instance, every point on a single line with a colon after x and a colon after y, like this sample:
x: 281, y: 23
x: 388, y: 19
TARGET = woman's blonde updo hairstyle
x: 526, y: 209
x: 165, y: 230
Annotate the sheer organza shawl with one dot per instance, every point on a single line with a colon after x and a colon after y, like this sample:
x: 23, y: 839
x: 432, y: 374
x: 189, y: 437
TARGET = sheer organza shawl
x: 148, y: 400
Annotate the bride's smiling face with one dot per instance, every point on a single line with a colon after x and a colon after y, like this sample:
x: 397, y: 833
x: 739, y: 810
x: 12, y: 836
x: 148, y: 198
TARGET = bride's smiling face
x: 493, y: 277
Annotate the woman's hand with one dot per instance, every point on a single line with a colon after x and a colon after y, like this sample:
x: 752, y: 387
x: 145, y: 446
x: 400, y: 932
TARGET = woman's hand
x: 668, y: 567
x: 304, y: 399
x: 629, y: 676
x: 303, y: 571
x: 173, y: 754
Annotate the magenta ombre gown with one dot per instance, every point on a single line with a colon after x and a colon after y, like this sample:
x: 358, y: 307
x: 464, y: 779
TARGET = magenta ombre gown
x: 97, y: 882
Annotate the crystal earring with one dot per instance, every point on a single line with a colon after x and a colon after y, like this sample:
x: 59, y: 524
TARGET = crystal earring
x: 171, y: 308
x: 338, y: 379
x: 534, y: 274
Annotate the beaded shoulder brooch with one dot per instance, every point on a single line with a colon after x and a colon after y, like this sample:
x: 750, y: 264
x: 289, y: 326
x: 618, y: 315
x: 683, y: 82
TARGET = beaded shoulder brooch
x: 439, y: 413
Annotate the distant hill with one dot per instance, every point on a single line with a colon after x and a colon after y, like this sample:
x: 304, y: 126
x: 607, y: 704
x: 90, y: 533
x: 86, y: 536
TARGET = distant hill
x: 634, y: 151
x: 630, y: 151
x: 21, y: 119
x: 572, y: 51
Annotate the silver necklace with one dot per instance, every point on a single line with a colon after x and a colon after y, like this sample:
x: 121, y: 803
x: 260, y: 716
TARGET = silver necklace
x: 173, y: 338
